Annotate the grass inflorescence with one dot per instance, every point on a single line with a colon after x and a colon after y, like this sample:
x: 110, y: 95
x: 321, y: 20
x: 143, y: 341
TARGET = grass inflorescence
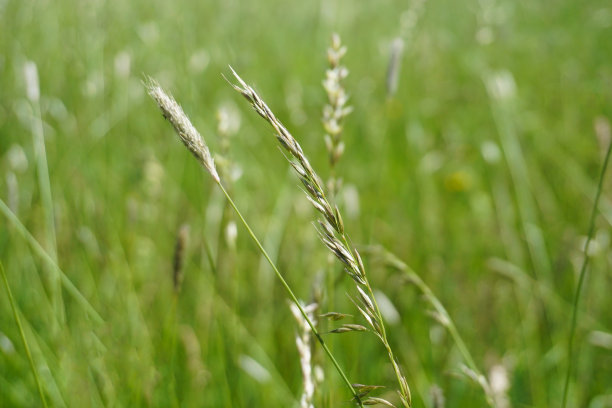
x: 461, y: 247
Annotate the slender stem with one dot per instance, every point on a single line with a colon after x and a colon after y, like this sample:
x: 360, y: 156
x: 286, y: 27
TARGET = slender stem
x: 585, y: 262
x: 292, y: 296
x: 211, y: 260
x: 448, y: 323
x: 22, y: 334
x: 452, y: 329
x: 383, y: 334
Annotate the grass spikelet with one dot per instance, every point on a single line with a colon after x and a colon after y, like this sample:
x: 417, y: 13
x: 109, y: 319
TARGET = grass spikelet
x: 336, y: 109
x: 303, y: 344
x: 334, y: 316
x: 349, y: 327
x: 377, y: 401
x: 195, y: 143
x: 331, y: 228
x: 188, y: 134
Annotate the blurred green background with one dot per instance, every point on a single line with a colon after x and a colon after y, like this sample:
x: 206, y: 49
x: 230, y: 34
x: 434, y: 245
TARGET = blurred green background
x: 479, y: 172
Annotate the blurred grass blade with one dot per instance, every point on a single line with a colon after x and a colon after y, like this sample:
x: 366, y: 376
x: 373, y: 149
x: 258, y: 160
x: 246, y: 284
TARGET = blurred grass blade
x: 40, y: 251
x: 194, y: 142
x: 22, y: 334
x: 583, y: 268
x: 30, y: 72
x: 501, y: 89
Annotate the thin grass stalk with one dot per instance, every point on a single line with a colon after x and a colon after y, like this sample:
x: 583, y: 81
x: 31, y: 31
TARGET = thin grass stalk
x: 227, y: 124
x: 41, y: 393
x: 331, y: 229
x: 583, y: 269
x: 444, y: 317
x: 178, y: 261
x: 503, y: 115
x: 47, y: 362
x: 294, y: 299
x: 42, y: 253
x: 244, y: 333
x: 196, y: 145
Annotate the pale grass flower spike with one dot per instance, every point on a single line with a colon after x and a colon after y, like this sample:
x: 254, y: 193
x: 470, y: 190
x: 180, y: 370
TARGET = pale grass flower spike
x: 188, y: 134
x: 331, y: 232
x: 336, y: 109
x: 302, y: 341
x: 196, y: 145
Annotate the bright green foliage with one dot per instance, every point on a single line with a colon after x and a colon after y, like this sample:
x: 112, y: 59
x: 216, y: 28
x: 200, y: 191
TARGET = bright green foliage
x: 479, y: 172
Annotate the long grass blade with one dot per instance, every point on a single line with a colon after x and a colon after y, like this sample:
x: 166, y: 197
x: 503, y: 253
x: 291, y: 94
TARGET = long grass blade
x: 41, y: 393
x: 583, y: 269
x: 40, y: 251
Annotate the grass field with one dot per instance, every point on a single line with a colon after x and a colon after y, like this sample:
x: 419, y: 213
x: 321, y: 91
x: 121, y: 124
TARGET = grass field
x: 479, y: 172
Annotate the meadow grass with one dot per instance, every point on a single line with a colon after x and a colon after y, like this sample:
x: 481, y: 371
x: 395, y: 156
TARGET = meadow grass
x: 472, y: 153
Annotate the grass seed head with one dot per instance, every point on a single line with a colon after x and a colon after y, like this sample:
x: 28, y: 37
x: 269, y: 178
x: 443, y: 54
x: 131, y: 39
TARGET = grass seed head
x: 182, y: 238
x: 188, y: 134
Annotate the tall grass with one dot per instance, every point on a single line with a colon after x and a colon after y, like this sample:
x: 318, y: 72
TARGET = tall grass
x: 196, y: 145
x: 336, y: 239
x: 582, y: 275
x: 468, y: 154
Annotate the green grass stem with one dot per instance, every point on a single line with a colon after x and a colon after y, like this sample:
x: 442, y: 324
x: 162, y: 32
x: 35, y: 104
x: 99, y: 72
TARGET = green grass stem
x: 583, y: 269
x: 292, y: 296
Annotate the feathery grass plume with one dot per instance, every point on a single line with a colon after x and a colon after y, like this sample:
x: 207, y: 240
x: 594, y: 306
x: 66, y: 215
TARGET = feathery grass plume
x: 194, y: 142
x: 178, y: 260
x: 183, y: 127
x: 336, y: 109
x: 303, y: 344
x: 331, y: 229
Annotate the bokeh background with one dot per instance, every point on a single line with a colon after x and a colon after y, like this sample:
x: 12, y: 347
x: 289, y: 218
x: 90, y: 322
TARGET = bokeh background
x: 479, y: 172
